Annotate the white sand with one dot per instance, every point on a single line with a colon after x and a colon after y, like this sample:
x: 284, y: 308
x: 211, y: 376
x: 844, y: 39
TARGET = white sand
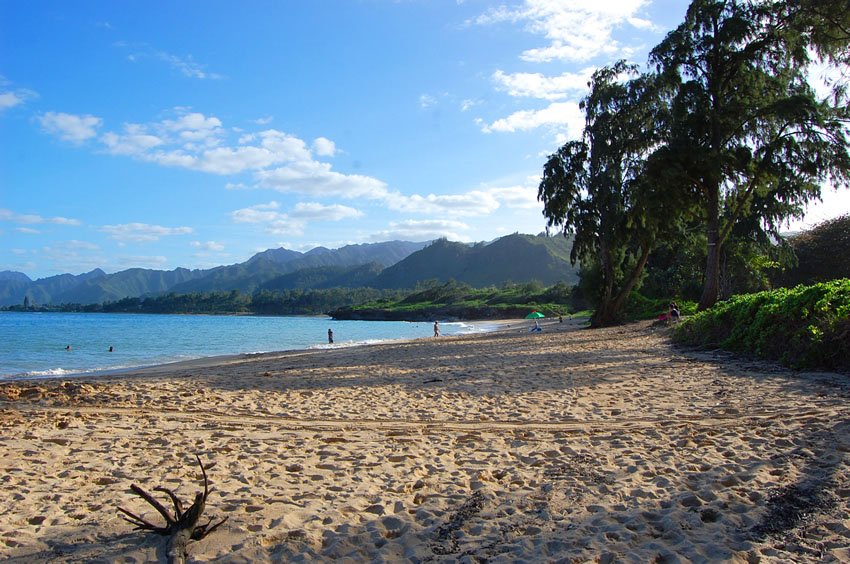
x: 569, y: 445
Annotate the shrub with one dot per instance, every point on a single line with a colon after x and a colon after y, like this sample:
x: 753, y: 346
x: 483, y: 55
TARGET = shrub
x: 641, y: 307
x: 802, y: 327
x: 823, y: 253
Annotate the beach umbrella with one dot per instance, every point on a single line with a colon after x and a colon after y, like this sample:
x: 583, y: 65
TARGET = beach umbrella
x: 534, y: 315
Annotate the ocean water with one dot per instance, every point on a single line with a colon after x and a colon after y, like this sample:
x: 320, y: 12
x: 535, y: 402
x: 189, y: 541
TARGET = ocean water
x: 33, y: 345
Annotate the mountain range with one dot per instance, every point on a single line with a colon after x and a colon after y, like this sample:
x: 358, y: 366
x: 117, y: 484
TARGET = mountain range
x: 395, y: 264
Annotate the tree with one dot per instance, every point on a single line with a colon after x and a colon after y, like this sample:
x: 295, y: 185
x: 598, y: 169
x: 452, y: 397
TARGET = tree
x: 605, y: 187
x: 823, y: 253
x: 749, y: 138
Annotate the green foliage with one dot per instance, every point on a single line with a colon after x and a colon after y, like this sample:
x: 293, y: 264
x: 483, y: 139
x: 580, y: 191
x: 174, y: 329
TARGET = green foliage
x: 642, y: 307
x: 802, y: 327
x: 749, y: 138
x: 605, y: 187
x: 823, y: 253
x: 675, y: 267
x: 458, y: 300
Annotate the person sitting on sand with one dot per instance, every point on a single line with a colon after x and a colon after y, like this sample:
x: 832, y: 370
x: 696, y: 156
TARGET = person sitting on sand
x: 536, y: 327
x: 673, y: 312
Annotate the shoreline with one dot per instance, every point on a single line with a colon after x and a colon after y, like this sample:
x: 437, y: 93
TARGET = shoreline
x: 604, y: 445
x: 211, y: 360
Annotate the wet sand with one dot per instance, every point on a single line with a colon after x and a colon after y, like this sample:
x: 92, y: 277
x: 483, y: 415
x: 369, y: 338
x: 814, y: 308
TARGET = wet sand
x: 567, y: 445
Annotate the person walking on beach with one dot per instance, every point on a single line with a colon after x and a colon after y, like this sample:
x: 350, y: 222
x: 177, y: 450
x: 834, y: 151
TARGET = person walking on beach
x: 436, y: 328
x: 330, y: 336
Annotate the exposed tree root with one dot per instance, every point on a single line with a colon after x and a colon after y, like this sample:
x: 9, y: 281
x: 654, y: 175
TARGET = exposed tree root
x: 180, y: 528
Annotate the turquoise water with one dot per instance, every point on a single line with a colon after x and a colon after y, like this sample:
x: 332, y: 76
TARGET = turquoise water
x: 32, y: 345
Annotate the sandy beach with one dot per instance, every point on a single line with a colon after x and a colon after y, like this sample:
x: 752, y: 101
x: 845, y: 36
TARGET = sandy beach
x: 568, y: 445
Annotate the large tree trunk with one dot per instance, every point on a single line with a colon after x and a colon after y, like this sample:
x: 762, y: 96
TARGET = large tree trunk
x: 605, y: 314
x: 631, y: 282
x: 711, y: 286
x: 610, y: 310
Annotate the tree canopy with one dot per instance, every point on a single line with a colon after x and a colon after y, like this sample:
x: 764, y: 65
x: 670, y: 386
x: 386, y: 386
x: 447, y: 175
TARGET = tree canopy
x: 750, y: 137
x: 725, y: 132
x: 605, y: 187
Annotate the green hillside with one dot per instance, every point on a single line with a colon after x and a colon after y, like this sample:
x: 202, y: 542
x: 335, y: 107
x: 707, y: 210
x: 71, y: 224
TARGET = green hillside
x: 326, y: 277
x: 385, y: 266
x: 131, y: 282
x: 513, y: 258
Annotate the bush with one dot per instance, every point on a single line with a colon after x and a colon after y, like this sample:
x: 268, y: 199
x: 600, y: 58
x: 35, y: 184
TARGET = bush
x: 823, y: 253
x: 641, y: 307
x: 807, y: 327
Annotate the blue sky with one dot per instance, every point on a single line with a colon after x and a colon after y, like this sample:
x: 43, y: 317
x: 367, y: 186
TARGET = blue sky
x: 196, y: 133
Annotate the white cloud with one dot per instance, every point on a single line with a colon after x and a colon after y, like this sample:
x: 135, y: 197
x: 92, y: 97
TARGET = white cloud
x: 641, y: 23
x: 69, y: 127
x: 275, y: 147
x: 426, y: 101
x: 262, y: 213
x: 10, y: 99
x: 226, y: 160
x: 133, y: 142
x: 295, y: 222
x: 536, y: 85
x: 274, y: 222
x: 193, y: 122
x: 73, y: 256
x: 27, y: 230
x: 63, y: 221
x: 565, y: 115
x: 207, y: 245
x: 157, y: 261
x: 470, y: 203
x: 142, y: 232
x: 468, y: 104
x: 288, y: 147
x: 83, y: 245
x: 317, y: 211
x: 279, y: 161
x: 578, y: 30
x: 187, y: 66
x: 263, y: 120
x: 412, y: 230
x: 324, y: 147
x: 518, y: 197
x: 25, y: 218
x: 30, y: 218
x: 318, y: 180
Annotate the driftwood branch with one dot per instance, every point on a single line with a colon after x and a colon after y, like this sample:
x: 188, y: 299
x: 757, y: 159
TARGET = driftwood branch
x: 182, y: 526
